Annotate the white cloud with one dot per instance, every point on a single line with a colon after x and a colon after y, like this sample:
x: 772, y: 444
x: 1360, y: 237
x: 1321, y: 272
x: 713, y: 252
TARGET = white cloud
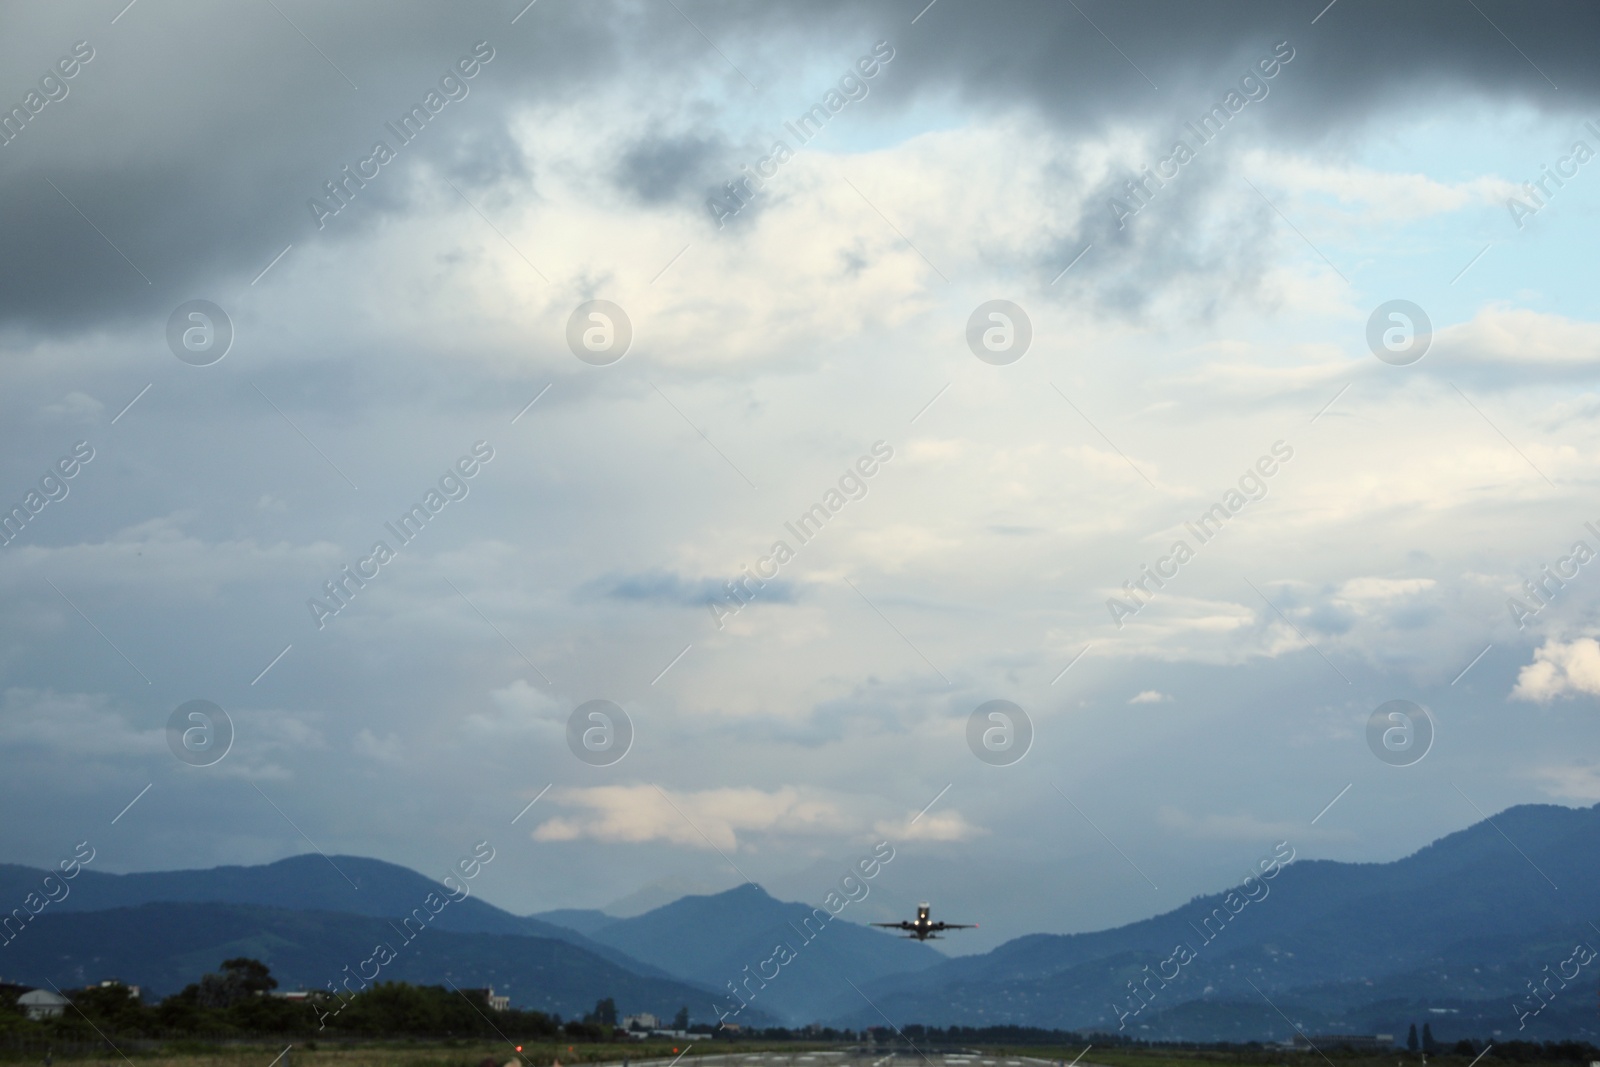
x: 85, y: 724
x: 161, y: 557
x: 1384, y: 588
x: 938, y: 826
x: 710, y: 818
x: 1533, y: 344
x: 1149, y: 696
x: 521, y: 708
x: 75, y: 407
x: 1384, y: 196
x: 1576, y: 782
x: 386, y: 749
x: 1559, y: 669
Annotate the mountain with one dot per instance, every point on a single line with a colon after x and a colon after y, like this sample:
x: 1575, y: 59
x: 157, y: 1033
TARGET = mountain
x: 352, y: 885
x: 711, y: 940
x: 1449, y: 935
x: 585, y: 921
x: 656, y: 895
x: 163, y: 947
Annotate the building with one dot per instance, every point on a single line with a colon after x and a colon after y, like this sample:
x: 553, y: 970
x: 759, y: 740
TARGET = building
x: 642, y: 1021
x: 42, y: 1004
x: 133, y: 990
x: 496, y: 1003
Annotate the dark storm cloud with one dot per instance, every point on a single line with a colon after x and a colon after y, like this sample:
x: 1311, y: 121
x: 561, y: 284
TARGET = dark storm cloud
x: 1159, y: 65
x: 1190, y: 234
x: 189, y: 146
x: 485, y: 155
x: 658, y: 169
x: 1094, y: 62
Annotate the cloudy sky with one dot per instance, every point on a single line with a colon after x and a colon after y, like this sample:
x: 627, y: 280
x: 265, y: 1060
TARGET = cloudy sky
x: 1162, y: 346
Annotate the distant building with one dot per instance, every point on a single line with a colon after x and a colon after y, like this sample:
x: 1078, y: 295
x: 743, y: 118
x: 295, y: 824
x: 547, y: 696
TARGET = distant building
x: 642, y: 1021
x: 496, y: 1003
x: 42, y: 1004
x: 133, y: 990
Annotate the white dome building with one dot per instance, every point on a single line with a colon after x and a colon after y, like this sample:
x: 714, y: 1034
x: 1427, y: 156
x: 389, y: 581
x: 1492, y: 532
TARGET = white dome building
x: 42, y: 1004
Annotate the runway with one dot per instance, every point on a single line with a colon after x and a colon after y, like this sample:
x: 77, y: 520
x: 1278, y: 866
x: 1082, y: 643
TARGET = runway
x: 855, y: 1057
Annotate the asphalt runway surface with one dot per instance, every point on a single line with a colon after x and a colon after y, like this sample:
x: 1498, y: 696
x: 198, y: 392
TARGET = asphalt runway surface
x: 861, y: 1057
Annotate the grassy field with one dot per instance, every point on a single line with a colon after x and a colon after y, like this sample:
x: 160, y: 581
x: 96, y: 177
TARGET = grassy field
x: 403, y: 1054
x: 1239, y: 1057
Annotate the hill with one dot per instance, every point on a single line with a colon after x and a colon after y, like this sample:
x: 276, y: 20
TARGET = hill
x: 310, y: 883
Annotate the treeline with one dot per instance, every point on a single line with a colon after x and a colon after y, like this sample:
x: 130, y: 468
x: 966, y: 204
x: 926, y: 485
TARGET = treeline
x: 238, y: 1001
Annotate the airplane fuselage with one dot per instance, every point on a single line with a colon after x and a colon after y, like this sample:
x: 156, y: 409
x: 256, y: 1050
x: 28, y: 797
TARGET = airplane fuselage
x: 922, y: 927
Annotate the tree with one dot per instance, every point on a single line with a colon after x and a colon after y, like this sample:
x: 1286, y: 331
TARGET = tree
x: 112, y: 1006
x: 1428, y: 1044
x: 680, y: 1021
x: 1411, y: 1038
x: 605, y: 1012
x: 241, y: 979
x: 248, y: 975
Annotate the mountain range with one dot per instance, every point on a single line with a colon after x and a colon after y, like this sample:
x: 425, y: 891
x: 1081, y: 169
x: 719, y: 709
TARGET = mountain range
x: 351, y: 885
x: 309, y: 917
x: 726, y: 938
x: 1451, y: 934
x: 1461, y: 934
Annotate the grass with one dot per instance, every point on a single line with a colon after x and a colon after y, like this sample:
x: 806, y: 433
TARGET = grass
x: 465, y: 1053
x: 1268, y: 1056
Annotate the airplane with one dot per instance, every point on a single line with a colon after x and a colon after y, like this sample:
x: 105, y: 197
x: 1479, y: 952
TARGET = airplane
x: 922, y: 928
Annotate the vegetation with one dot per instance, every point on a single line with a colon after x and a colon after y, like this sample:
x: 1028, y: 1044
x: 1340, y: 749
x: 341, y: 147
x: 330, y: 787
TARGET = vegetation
x: 219, y: 1020
x: 233, y: 1019
x: 238, y: 1002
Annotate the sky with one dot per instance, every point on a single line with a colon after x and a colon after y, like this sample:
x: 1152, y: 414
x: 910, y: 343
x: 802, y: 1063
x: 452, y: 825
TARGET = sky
x: 627, y: 319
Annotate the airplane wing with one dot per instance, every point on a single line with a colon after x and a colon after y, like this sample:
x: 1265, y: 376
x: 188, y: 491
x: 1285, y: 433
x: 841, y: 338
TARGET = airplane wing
x: 955, y: 926
x: 896, y: 926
